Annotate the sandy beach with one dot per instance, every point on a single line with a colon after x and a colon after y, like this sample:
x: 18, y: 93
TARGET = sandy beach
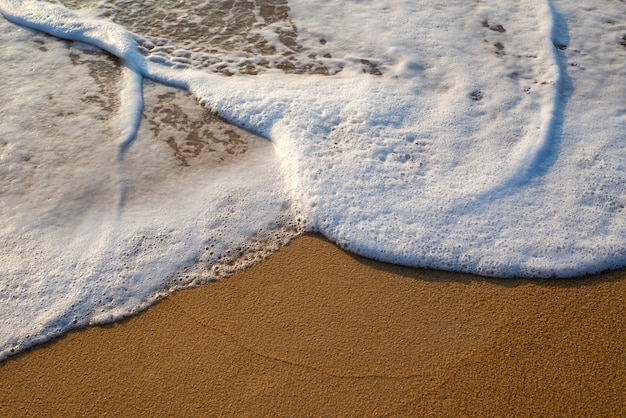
x: 137, y: 138
x: 316, y: 331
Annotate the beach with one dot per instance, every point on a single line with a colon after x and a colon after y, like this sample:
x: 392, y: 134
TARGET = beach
x: 316, y: 331
x: 150, y: 150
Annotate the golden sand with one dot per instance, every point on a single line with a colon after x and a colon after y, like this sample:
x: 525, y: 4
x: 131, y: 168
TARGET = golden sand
x: 316, y: 331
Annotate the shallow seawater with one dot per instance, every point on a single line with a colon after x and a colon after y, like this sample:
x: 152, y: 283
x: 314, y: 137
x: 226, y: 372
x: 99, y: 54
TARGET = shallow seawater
x: 93, y: 235
x: 147, y: 146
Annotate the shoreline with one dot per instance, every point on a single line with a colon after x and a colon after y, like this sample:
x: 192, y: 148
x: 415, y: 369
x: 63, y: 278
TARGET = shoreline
x: 315, y: 330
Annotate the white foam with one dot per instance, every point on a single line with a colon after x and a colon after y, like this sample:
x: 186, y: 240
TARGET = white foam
x: 91, y: 235
x: 484, y: 138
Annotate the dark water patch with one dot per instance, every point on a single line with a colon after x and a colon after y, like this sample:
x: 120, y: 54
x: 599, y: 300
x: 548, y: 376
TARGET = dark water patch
x: 104, y: 68
x: 370, y: 67
x: 495, y: 28
x: 192, y: 131
x: 223, y: 36
x: 208, y: 32
x: 476, y: 95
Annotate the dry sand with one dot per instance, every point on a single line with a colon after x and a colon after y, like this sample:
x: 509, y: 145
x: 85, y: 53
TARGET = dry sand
x: 317, y: 331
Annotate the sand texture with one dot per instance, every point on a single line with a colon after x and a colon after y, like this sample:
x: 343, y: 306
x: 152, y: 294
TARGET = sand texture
x: 316, y: 331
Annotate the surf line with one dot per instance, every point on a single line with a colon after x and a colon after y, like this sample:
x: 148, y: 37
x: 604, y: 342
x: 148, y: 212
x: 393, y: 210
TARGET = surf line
x: 536, y: 154
x: 536, y: 157
x: 129, y: 114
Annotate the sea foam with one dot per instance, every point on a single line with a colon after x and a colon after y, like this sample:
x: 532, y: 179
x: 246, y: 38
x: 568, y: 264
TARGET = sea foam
x: 484, y: 138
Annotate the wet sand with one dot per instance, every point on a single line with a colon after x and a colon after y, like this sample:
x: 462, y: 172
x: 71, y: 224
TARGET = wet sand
x: 317, y: 331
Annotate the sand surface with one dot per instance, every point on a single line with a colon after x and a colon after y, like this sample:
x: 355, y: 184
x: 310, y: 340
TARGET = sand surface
x: 317, y: 331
